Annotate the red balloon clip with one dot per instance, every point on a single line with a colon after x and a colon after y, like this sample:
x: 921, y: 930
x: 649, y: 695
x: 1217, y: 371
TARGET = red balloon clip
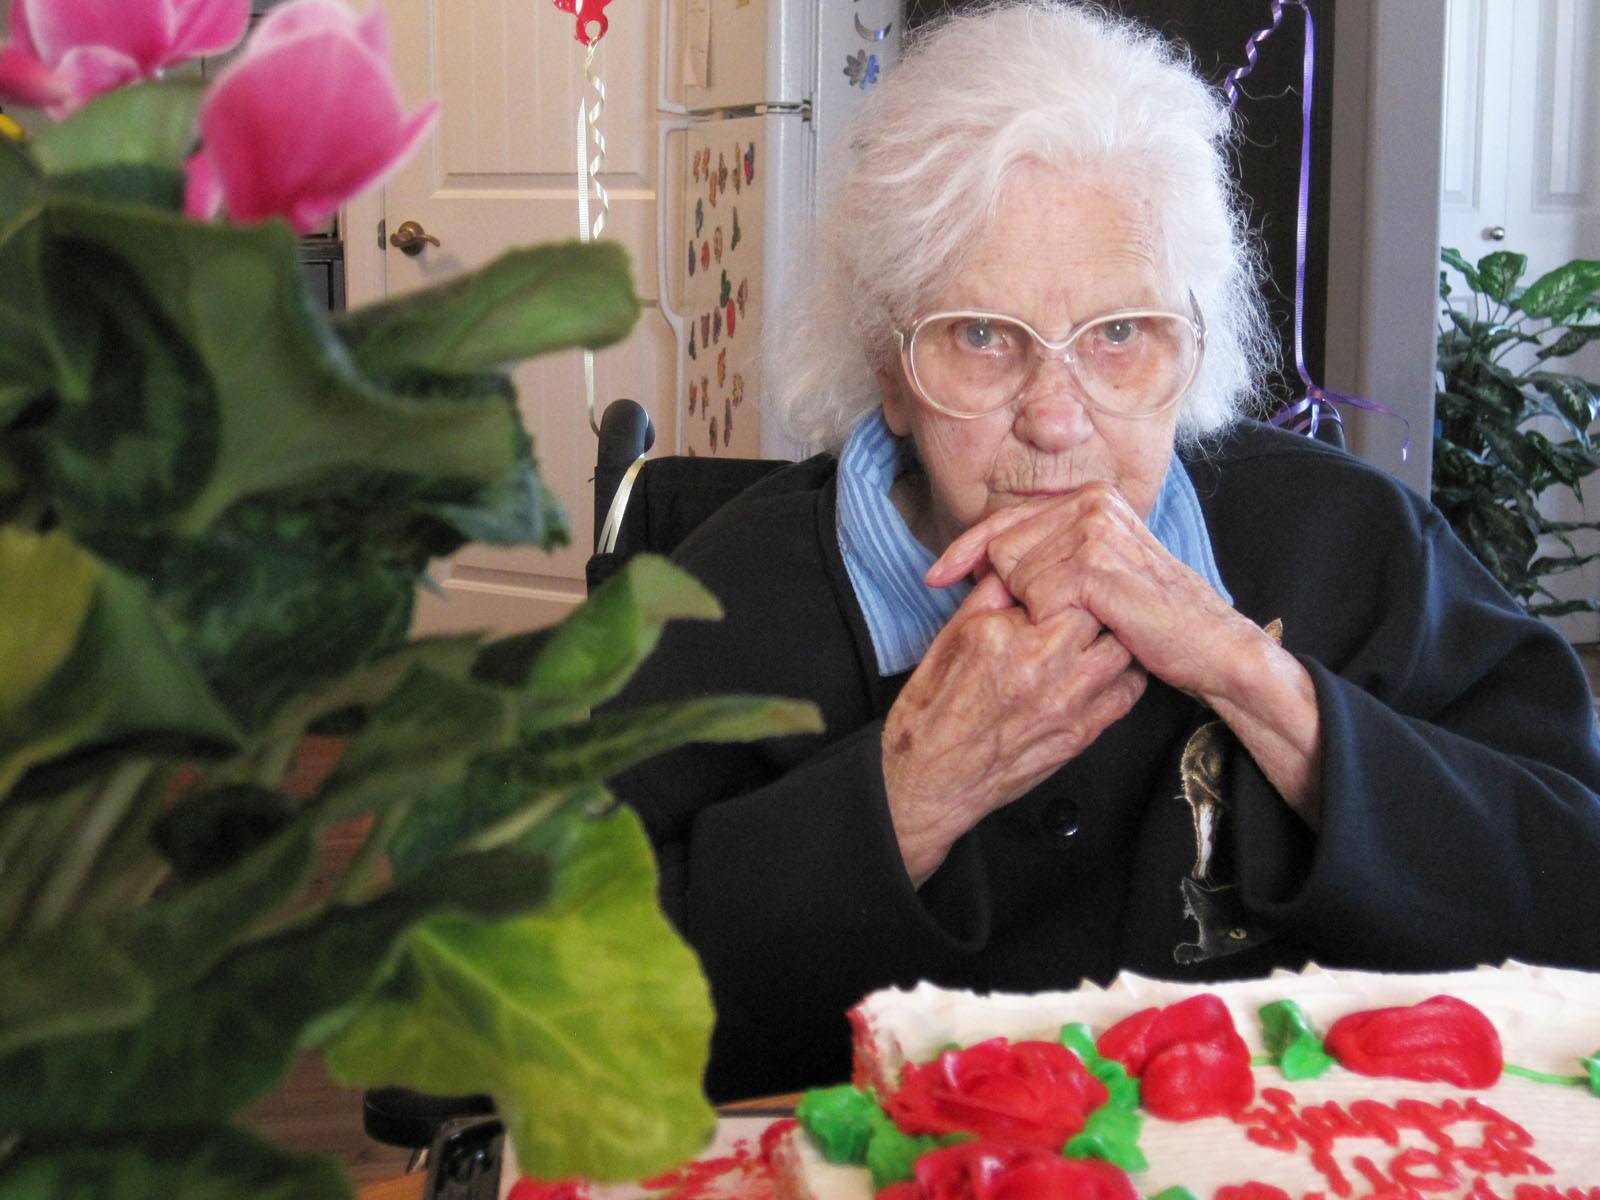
x: 587, y: 12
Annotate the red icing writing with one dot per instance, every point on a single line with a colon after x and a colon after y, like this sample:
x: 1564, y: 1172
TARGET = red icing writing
x: 1464, y: 1140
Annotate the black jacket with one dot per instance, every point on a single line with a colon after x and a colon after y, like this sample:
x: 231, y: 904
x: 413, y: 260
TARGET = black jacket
x: 1460, y: 820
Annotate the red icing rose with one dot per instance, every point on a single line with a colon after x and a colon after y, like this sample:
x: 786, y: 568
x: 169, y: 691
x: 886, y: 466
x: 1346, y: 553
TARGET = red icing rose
x: 529, y: 1188
x: 1035, y: 1093
x: 998, y: 1171
x: 1188, y: 1057
x: 1442, y: 1040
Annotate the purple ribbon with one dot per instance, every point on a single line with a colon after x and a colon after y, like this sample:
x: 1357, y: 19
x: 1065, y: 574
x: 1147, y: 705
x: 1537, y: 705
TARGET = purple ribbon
x: 1317, y: 404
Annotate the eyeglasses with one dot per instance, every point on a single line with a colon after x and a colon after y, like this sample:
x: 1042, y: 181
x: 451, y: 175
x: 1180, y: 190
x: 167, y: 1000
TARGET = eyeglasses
x: 1134, y: 362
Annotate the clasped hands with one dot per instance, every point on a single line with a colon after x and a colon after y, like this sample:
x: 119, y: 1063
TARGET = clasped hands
x: 1077, y: 604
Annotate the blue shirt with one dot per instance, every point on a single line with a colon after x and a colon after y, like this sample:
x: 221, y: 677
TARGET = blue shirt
x: 886, y: 562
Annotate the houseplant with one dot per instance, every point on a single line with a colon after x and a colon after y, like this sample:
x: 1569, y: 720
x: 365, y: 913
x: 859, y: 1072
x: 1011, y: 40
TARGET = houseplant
x: 215, y: 507
x: 1493, y: 458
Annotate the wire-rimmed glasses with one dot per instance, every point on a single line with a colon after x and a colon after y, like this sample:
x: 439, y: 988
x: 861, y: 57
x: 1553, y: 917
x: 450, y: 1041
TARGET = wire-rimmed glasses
x: 1135, y: 362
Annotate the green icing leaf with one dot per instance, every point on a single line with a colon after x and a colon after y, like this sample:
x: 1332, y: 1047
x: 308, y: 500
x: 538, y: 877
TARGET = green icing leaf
x: 1122, y: 1089
x: 1592, y: 1066
x: 1291, y: 1041
x: 527, y: 302
x: 841, y: 1119
x: 1174, y: 1193
x: 892, y: 1155
x: 1110, y: 1133
x: 206, y: 1162
x: 589, y: 656
x: 587, y: 1020
x: 209, y: 1049
x: 74, y: 981
x: 146, y: 124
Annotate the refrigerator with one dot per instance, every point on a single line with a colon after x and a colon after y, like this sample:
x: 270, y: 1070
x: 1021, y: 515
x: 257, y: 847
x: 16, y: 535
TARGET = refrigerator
x: 767, y: 86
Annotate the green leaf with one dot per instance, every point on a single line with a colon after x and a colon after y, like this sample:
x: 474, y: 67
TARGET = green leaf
x: 527, y: 302
x: 199, y: 1163
x: 212, y: 1048
x: 422, y: 737
x: 609, y: 743
x: 591, y: 654
x: 1570, y: 342
x: 147, y: 124
x: 1561, y: 294
x: 1575, y: 400
x: 124, y: 679
x: 176, y: 330
x: 210, y: 832
x: 1453, y: 257
x: 48, y: 584
x: 588, y: 1021
x: 73, y: 981
x: 1499, y: 273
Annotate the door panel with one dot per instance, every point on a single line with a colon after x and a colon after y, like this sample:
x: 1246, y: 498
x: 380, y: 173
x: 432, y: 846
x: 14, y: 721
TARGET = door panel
x: 501, y: 171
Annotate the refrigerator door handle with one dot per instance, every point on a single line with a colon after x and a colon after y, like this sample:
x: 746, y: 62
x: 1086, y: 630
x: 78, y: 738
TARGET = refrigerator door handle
x: 663, y: 292
x: 664, y: 45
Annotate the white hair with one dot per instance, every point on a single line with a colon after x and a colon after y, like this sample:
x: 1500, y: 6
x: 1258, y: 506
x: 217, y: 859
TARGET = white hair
x: 976, y: 95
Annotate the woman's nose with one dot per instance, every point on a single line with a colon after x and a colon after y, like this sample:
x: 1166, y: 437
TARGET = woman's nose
x: 1051, y: 413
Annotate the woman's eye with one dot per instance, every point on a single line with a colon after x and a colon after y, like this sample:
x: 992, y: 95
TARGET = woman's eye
x: 1120, y: 332
x: 977, y: 335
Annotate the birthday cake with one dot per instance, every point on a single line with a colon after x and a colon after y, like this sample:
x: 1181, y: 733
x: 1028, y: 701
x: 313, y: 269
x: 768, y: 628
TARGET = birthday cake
x: 1323, y: 1085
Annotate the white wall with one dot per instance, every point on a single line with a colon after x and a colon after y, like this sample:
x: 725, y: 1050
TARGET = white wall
x: 1384, y: 219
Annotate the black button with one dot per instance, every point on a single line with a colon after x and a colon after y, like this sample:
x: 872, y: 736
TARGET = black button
x: 1060, y: 817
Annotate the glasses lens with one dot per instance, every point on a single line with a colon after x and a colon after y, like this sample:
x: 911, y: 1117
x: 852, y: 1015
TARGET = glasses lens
x: 1125, y: 365
x: 971, y: 364
x: 1132, y: 366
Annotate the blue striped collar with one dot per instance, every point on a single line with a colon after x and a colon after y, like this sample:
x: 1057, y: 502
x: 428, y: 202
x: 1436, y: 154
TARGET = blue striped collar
x: 886, y: 562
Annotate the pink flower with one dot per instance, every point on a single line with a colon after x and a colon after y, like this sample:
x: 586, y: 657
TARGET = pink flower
x: 307, y: 117
x: 63, y: 53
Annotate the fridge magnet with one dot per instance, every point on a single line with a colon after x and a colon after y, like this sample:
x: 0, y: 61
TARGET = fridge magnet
x: 694, y: 166
x: 722, y: 173
x: 711, y: 189
x: 713, y: 435
x: 722, y: 366
x: 730, y: 318
x: 716, y: 244
x: 727, y: 290
x: 861, y: 69
x: 727, y: 422
x: 716, y: 325
x: 705, y: 329
x: 694, y: 396
x: 742, y: 294
x: 733, y: 242
x: 750, y: 164
x: 691, y: 340
x: 705, y: 162
x: 705, y: 392
x: 872, y: 35
x: 705, y: 256
x: 738, y: 176
x: 692, y: 257
x: 737, y: 390
x: 699, y: 216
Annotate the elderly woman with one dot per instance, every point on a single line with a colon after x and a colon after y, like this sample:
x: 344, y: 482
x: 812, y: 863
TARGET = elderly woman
x: 1112, y: 676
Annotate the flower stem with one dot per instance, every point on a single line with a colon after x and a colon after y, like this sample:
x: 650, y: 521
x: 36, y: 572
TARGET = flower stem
x: 101, y: 813
x: 352, y: 887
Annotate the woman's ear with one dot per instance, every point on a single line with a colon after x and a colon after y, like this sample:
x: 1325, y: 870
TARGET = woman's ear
x: 897, y: 401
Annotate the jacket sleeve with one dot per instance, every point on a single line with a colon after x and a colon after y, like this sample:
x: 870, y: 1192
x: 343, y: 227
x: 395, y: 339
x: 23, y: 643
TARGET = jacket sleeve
x: 1460, y: 819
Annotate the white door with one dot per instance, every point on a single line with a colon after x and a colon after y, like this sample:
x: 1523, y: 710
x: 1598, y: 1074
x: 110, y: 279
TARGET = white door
x: 501, y: 171
x: 1521, y: 166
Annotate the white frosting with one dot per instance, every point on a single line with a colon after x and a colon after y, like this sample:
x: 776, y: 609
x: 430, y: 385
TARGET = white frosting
x: 1547, y: 1020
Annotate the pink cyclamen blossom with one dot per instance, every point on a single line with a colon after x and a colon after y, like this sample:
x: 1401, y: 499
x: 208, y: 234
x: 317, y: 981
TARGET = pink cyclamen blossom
x: 307, y: 117
x: 63, y: 53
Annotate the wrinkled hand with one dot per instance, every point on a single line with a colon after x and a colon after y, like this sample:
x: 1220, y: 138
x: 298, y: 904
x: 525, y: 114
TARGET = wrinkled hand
x: 999, y: 702
x: 1088, y: 552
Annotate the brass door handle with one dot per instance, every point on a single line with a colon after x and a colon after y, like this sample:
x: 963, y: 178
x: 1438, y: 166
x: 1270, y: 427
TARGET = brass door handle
x: 409, y: 237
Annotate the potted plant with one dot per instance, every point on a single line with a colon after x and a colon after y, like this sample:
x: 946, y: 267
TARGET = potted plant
x: 216, y: 504
x: 1492, y: 461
